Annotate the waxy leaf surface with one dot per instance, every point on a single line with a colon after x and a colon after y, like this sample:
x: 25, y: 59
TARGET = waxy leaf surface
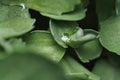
x: 56, y: 7
x: 42, y: 43
x: 110, y: 34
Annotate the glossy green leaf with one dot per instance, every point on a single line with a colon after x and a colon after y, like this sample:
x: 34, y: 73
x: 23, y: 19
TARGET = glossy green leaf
x: 90, y: 49
x: 110, y: 34
x: 29, y: 67
x: 76, y: 71
x: 60, y: 28
x: 104, y: 12
x: 47, y: 6
x: 14, y: 21
x: 53, y: 6
x: 75, y: 15
x: 42, y: 43
x: 107, y: 70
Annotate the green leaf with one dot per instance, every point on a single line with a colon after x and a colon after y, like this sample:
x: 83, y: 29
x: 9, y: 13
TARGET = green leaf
x: 60, y: 28
x: 107, y: 70
x: 76, y: 71
x: 8, y: 47
x: 78, y: 14
x: 42, y: 43
x: 90, y: 49
x: 29, y: 67
x: 79, y: 37
x: 47, y: 6
x: 14, y: 21
x: 110, y: 34
x: 12, y: 11
x: 15, y: 27
x: 104, y: 12
x: 12, y: 2
x: 53, y: 6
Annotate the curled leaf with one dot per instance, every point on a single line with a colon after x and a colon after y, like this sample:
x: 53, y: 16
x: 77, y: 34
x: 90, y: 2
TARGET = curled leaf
x: 59, y: 29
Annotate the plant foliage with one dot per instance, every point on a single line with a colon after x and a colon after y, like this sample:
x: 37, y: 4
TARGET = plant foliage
x: 29, y: 52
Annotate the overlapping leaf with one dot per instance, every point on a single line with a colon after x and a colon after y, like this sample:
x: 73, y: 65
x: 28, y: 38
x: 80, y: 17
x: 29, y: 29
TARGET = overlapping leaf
x: 42, y: 43
x: 75, y: 15
x: 110, y: 34
x: 53, y: 6
x: 90, y: 49
x: 29, y: 67
x: 76, y: 71
x: 60, y: 28
x: 14, y: 21
x: 47, y: 6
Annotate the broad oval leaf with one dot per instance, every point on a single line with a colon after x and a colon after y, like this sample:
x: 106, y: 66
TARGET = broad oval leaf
x: 108, y: 70
x: 78, y: 14
x: 14, y: 21
x: 42, y: 43
x: 53, y: 6
x: 110, y: 34
x: 75, y: 71
x: 47, y: 6
x: 29, y: 67
x: 89, y: 50
x: 60, y: 28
